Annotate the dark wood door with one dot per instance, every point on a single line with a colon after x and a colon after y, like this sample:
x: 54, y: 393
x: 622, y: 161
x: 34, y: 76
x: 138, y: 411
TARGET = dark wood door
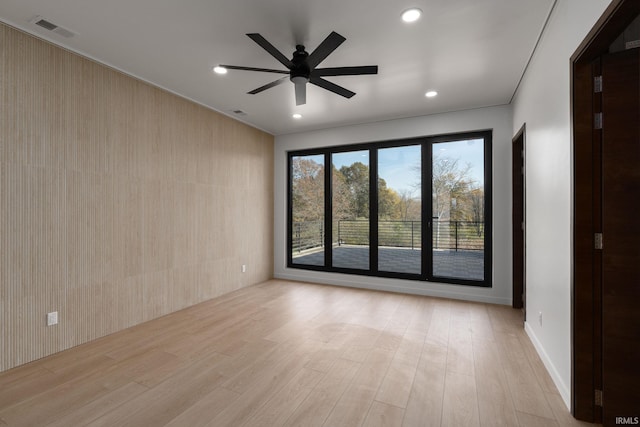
x: 621, y: 236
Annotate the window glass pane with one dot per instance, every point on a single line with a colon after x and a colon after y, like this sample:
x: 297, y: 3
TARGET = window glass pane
x: 458, y: 209
x: 350, y: 209
x: 307, y: 198
x: 399, y: 210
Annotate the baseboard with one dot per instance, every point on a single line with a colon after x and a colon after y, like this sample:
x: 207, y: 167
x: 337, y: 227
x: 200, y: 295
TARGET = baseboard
x: 433, y: 289
x: 565, y: 392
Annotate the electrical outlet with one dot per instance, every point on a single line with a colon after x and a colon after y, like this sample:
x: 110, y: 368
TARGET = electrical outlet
x: 540, y: 318
x: 244, y: 268
x: 52, y: 318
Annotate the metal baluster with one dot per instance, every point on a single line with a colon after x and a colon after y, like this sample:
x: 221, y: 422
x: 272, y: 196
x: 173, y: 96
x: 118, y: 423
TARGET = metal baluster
x: 456, y: 224
x: 411, y: 235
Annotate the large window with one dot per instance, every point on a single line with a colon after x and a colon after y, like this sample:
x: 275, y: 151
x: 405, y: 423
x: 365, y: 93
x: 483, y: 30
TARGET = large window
x: 400, y: 209
x: 350, y: 209
x: 415, y: 209
x: 307, y: 209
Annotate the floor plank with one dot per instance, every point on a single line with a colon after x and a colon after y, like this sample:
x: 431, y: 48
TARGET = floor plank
x: 424, y: 407
x: 459, y: 352
x: 353, y: 406
x: 460, y: 403
x: 98, y: 407
x: 526, y: 391
x: 52, y: 404
x: 315, y: 409
x: 383, y: 415
x: 396, y: 386
x: 167, y: 400
x: 495, y: 404
x: 283, y: 403
x: 529, y: 420
x: 266, y: 382
x: 204, y: 410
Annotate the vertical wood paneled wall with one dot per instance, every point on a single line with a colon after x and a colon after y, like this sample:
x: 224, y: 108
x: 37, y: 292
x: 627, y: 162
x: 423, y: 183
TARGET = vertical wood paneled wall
x: 119, y: 202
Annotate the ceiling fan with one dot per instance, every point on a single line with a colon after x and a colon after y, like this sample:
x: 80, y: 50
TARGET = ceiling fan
x: 302, y: 67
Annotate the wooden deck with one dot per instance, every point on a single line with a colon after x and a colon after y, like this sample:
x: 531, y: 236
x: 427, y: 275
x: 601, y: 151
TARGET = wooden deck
x: 462, y: 264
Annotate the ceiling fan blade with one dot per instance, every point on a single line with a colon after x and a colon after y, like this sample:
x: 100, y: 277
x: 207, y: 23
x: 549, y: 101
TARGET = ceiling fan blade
x: 301, y: 93
x: 329, y: 44
x: 269, y: 85
x: 325, y: 84
x: 264, y: 70
x: 345, y: 71
x: 271, y: 49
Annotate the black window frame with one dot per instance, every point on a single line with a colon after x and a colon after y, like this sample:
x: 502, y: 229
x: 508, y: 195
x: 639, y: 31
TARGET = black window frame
x: 426, y: 143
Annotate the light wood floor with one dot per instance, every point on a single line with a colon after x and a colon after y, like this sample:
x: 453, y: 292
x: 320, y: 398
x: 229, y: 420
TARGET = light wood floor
x: 294, y: 354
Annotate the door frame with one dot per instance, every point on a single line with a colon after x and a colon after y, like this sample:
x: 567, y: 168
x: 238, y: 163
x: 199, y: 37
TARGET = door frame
x: 518, y: 219
x: 586, y: 283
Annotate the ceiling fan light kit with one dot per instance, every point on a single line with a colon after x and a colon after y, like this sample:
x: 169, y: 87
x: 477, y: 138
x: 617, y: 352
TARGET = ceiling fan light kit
x: 302, y: 67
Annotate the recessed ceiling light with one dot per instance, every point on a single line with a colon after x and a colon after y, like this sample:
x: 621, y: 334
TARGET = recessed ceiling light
x: 220, y: 70
x: 297, y: 116
x: 431, y: 94
x: 411, y: 15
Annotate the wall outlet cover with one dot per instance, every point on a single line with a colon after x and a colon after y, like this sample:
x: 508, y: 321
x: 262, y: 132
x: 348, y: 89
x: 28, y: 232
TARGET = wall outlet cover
x: 52, y: 318
x: 540, y: 318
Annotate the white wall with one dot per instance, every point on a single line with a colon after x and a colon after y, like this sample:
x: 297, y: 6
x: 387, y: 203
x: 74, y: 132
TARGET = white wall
x: 543, y: 103
x: 497, y: 118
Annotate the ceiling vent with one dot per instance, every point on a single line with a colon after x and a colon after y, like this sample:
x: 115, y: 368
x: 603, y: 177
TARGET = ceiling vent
x: 50, y: 26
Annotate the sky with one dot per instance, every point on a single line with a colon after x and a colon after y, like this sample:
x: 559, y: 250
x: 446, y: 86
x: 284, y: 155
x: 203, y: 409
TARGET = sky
x: 468, y: 151
x: 399, y: 166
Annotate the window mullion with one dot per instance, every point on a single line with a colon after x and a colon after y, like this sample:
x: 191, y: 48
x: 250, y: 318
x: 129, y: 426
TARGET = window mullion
x: 373, y: 210
x: 328, y: 207
x: 427, y: 212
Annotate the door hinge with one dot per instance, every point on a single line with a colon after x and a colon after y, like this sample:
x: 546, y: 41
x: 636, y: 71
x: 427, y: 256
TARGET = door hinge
x: 598, y: 398
x: 597, y: 121
x: 598, y: 240
x: 597, y: 84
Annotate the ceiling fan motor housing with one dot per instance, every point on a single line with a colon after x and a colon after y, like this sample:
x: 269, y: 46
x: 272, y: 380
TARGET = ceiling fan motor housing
x: 300, y: 72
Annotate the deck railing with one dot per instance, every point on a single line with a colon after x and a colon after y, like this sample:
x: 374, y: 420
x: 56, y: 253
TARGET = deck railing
x: 307, y: 235
x: 452, y: 235
x: 455, y: 235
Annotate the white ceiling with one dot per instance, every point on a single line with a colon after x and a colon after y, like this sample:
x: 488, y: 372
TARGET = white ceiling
x: 473, y: 52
